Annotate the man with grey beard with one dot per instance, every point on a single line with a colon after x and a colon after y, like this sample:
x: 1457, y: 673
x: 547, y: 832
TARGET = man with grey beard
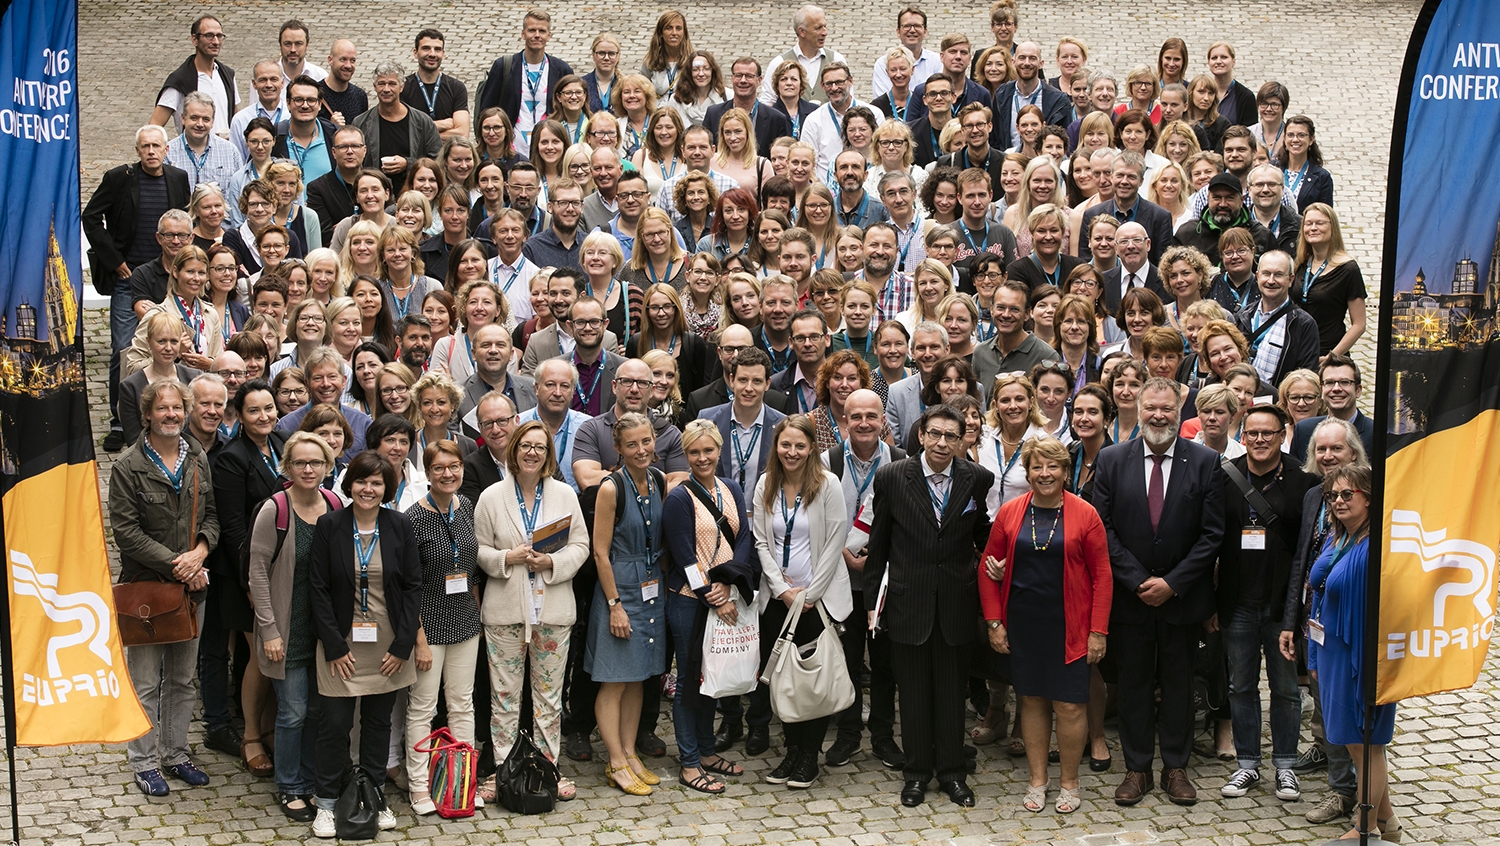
x: 1162, y: 548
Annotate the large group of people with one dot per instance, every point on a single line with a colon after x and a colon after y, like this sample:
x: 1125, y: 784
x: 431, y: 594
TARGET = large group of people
x: 1019, y: 380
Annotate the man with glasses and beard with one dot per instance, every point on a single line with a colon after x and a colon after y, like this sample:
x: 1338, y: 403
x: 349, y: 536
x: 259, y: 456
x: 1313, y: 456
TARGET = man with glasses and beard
x: 1161, y: 497
x: 557, y: 245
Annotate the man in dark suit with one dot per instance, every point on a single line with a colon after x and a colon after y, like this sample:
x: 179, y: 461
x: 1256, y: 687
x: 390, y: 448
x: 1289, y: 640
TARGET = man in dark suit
x: 1128, y: 206
x: 1135, y: 270
x: 1027, y: 89
x: 332, y: 194
x: 770, y: 124
x: 799, y: 381
x: 485, y: 466
x: 1341, y: 390
x: 733, y: 340
x: 503, y: 86
x: 929, y: 523
x: 120, y: 221
x: 1162, y: 547
x: 745, y: 423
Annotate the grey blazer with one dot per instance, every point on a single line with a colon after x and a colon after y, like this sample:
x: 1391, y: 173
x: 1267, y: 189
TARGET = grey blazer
x: 903, y: 406
x: 474, y: 389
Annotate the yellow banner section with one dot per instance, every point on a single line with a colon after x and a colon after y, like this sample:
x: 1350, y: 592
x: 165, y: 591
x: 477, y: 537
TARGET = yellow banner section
x: 70, y: 676
x: 1437, y: 576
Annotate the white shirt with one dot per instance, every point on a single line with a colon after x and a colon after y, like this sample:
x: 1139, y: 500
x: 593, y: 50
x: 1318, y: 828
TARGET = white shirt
x: 1234, y: 449
x: 798, y: 571
x: 852, y: 497
x: 927, y: 64
x: 213, y: 85
x: 810, y: 66
x: 752, y: 469
x: 515, y: 282
x: 1166, y: 466
x: 308, y: 69
x: 822, y: 128
x: 1010, y: 478
x: 1132, y: 279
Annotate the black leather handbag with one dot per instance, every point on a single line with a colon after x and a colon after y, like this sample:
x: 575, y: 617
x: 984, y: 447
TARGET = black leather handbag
x: 527, y: 780
x: 356, y: 815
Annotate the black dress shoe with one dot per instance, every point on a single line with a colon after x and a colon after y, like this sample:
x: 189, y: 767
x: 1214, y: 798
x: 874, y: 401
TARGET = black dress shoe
x: 729, y: 734
x: 958, y: 792
x: 914, y: 793
x: 224, y: 739
x: 758, y: 740
x: 114, y: 442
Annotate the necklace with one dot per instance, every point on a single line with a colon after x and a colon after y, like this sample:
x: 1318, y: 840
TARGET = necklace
x: 1057, y: 518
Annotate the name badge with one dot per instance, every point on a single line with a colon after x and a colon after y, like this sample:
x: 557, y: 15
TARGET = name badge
x: 534, y: 612
x: 1315, y: 632
x: 456, y: 583
x: 365, y: 632
x: 1253, y: 539
x: 650, y: 590
x: 696, y: 578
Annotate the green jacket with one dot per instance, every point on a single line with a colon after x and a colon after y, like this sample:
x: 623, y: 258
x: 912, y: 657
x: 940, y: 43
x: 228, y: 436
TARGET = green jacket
x: 151, y: 521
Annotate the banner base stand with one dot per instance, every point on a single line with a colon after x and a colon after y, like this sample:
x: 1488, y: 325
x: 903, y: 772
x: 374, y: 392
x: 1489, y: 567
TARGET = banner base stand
x: 1373, y: 840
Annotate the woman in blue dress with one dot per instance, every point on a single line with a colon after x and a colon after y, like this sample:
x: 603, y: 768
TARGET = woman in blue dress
x: 628, y: 622
x: 1336, y: 636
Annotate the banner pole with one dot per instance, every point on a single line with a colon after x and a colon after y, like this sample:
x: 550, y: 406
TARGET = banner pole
x: 8, y: 690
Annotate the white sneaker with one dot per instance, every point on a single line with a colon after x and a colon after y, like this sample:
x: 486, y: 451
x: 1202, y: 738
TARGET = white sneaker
x: 1240, y: 783
x: 387, y: 819
x: 324, y: 825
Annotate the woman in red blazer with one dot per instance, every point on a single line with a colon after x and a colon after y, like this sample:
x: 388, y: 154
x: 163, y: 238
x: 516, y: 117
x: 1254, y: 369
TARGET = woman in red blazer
x: 1046, y: 590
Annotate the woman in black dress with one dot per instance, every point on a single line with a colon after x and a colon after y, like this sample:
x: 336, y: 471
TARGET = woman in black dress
x: 1047, y: 584
x: 1327, y: 282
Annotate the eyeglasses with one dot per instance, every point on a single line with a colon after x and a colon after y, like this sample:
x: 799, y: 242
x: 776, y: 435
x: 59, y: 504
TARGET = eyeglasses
x: 661, y: 309
x: 1129, y: 242
x: 607, y: 54
x: 309, y: 464
x: 1339, y: 383
x: 175, y: 236
x: 892, y: 143
x: 825, y: 292
x: 604, y: 133
x: 989, y: 274
x: 1240, y: 252
x: 291, y: 393
x: 310, y: 318
x: 937, y: 95
x: 743, y: 76
x: 732, y: 349
x: 632, y: 383
x: 395, y: 391
x: 567, y: 204
x: 633, y: 195
x: 943, y: 437
x: 1260, y: 435
x: 1302, y: 399
x: 807, y: 339
x: 532, y: 449
x: 233, y: 374
x: 1342, y: 496
x: 496, y: 422
x: 452, y: 469
x: 211, y: 36
x: 303, y: 101
x: 586, y: 323
x: 348, y: 147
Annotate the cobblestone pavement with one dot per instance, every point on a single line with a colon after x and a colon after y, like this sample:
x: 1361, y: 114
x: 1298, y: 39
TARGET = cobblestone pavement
x: 1444, y: 764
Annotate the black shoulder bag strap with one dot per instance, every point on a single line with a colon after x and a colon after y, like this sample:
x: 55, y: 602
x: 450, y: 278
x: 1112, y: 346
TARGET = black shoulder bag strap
x: 1268, y: 516
x: 713, y: 509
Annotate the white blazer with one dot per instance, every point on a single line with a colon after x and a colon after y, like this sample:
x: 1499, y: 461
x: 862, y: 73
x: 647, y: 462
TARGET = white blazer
x: 829, y: 526
x: 499, y: 529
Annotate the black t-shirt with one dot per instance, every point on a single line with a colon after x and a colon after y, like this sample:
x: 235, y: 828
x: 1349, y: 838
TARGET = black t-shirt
x: 448, y: 96
x: 395, y: 140
x: 1328, y: 298
x: 997, y: 239
x: 351, y: 102
x: 1251, y: 578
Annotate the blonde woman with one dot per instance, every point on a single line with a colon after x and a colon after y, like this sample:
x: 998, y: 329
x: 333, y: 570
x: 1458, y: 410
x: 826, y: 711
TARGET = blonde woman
x: 666, y: 388
x: 633, y: 102
x: 895, y: 152
x: 359, y: 255
x: 815, y: 214
x: 401, y: 277
x: 737, y: 157
x: 1178, y: 143
x: 932, y: 284
x: 414, y: 213
x: 187, y: 297
x: 1169, y: 189
x: 1142, y: 89
x: 480, y: 303
x: 324, y: 282
x: 1041, y: 183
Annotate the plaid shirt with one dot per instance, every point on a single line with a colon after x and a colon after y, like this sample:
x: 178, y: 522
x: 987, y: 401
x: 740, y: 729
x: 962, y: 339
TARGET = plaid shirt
x: 217, y: 164
x: 895, y: 297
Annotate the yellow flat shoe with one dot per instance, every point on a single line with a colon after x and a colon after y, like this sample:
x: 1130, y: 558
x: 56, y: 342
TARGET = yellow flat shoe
x: 644, y: 774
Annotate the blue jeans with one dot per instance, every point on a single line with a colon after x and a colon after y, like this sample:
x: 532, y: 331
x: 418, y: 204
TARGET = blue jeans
x: 122, y: 324
x: 296, y: 730
x: 692, y: 712
x: 1249, y: 633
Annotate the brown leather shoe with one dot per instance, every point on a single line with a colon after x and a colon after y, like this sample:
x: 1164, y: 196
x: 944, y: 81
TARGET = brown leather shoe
x: 1133, y: 788
x: 1174, y: 781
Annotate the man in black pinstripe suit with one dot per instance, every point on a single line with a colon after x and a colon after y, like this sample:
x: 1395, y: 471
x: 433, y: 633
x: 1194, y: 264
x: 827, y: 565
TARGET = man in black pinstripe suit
x: 930, y: 521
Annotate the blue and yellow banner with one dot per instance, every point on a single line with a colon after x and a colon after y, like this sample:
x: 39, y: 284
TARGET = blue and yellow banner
x: 1439, y: 378
x: 68, y: 671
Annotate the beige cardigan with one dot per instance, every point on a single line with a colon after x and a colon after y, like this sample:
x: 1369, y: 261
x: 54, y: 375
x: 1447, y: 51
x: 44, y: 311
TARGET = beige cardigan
x: 138, y: 354
x: 271, y: 583
x: 499, y: 529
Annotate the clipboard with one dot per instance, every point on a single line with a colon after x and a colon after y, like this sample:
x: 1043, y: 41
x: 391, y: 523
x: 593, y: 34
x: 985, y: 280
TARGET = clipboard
x: 552, y: 537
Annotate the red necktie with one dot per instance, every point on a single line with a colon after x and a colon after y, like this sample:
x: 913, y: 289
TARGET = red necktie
x: 1156, y: 491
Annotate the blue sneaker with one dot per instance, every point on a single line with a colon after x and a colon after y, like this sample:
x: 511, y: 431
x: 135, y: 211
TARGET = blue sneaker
x: 151, y: 783
x: 189, y: 773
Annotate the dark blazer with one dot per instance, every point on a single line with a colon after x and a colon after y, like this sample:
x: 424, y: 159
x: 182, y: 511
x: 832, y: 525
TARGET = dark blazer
x: 1025, y: 270
x: 1057, y: 110
x: 1157, y: 220
x: 1112, y: 295
x: 1302, y: 435
x: 722, y: 416
x: 1185, y: 546
x: 333, y: 199
x: 924, y: 142
x: 242, y: 483
x: 284, y: 129
x: 804, y: 108
x: 502, y: 87
x: 692, y: 362
x: 474, y: 389
x: 334, y: 578
x: 972, y: 92
x: 1309, y: 547
x: 994, y: 161
x: 717, y: 393
x: 1316, y: 187
x: 479, y: 473
x: 934, y: 577
x: 1203, y: 236
x: 1300, y: 347
x: 770, y: 124
x: 1245, y: 112
x: 782, y: 383
x: 679, y: 514
x: 109, y: 218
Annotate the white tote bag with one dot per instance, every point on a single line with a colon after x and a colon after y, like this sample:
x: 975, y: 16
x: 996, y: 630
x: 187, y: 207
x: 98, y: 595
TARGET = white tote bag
x: 812, y: 680
x: 731, y: 654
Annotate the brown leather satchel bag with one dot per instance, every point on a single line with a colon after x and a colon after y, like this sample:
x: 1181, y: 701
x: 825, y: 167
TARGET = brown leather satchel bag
x: 158, y: 612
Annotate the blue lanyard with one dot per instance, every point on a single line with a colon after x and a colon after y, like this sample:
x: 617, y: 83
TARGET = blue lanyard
x: 672, y: 70
x: 604, y: 95
x: 823, y: 255
x: 448, y: 524
x: 1055, y: 277
x: 198, y: 165
x: 779, y: 361
x: 802, y: 405
x: 743, y: 455
x: 791, y: 521
x: 534, y: 84
x: 515, y: 271
x: 1292, y: 185
x: 1133, y: 432
x: 850, y: 344
x: 1309, y: 278
x: 719, y: 504
x: 941, y: 504
x: 395, y: 503
x: 229, y: 432
x: 838, y: 123
x: 529, y: 518
x: 969, y: 236
x: 979, y: 330
x: 861, y: 486
x: 851, y: 218
x: 577, y: 128
x: 1000, y: 459
x: 1077, y: 471
x: 174, y: 478
x: 469, y: 349
x: 985, y: 165
x: 272, y: 460
x: 432, y: 98
x: 364, y: 554
x: 560, y: 443
x: 403, y: 304
x: 796, y: 116
x: 585, y: 398
x: 665, y: 171
x: 911, y: 235
x: 834, y: 425
x: 1239, y: 301
x: 651, y: 270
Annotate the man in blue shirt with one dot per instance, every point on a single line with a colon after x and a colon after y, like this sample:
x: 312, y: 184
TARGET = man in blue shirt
x: 557, y: 245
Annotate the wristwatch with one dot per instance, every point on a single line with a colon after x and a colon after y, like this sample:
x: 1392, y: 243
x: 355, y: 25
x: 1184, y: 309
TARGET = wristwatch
x: 994, y: 624
x: 612, y: 602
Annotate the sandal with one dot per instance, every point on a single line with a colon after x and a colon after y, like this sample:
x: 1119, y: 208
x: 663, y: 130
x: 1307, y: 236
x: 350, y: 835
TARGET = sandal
x: 1036, y: 799
x: 989, y: 728
x: 259, y: 765
x: 566, y: 790
x: 722, y: 766
x: 643, y: 775
x: 488, y: 792
x: 635, y: 787
x: 1068, y: 800
x: 1390, y: 835
x: 1017, y: 748
x: 703, y: 783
